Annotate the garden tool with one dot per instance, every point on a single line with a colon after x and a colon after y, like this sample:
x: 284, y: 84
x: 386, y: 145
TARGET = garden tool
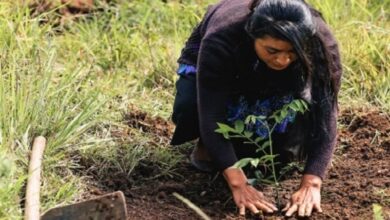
x: 108, y: 206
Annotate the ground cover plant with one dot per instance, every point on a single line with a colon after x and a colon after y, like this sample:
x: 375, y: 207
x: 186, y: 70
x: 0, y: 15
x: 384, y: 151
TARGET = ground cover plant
x: 100, y: 88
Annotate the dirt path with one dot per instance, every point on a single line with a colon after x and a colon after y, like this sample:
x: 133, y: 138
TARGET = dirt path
x: 359, y: 177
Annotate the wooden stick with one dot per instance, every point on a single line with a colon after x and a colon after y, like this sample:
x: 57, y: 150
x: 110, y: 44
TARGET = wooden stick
x: 34, y: 180
x: 192, y: 206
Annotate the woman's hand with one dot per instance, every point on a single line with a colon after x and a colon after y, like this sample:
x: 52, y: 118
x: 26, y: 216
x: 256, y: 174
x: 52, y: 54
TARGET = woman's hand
x: 307, y: 198
x: 246, y: 196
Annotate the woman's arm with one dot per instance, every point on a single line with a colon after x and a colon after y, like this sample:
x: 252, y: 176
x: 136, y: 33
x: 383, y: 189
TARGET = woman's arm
x: 215, y: 80
x: 244, y: 195
x: 324, y: 110
x: 325, y: 88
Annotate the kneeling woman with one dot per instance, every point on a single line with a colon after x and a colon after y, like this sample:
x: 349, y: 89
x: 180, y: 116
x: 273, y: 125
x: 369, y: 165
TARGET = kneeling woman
x: 260, y: 54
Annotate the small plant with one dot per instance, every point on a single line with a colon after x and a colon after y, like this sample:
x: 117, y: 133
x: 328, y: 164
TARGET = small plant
x: 378, y: 213
x: 242, y: 129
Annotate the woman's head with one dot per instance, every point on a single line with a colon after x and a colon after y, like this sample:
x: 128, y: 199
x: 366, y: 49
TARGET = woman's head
x: 276, y: 53
x: 281, y: 29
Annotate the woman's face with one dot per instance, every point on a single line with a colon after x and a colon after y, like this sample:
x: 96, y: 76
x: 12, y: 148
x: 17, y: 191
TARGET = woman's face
x: 277, y: 54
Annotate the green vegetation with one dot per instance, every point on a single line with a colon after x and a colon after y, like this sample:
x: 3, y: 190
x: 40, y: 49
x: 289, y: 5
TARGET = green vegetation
x: 74, y: 82
x: 378, y: 213
x: 363, y: 29
x: 264, y: 144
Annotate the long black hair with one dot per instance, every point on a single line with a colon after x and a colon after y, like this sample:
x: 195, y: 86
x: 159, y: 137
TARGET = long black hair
x: 292, y: 20
x: 288, y: 20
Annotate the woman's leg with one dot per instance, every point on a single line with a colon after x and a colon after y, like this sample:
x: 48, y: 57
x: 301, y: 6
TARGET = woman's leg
x: 185, y: 116
x: 185, y: 113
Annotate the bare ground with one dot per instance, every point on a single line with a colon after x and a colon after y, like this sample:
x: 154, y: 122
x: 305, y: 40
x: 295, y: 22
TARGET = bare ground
x: 358, y: 178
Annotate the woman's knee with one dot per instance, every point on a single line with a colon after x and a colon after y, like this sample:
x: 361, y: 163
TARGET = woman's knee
x: 185, y: 104
x: 184, y: 111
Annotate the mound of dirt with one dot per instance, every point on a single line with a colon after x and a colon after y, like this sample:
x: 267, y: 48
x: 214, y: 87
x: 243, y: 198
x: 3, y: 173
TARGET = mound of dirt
x: 69, y: 6
x: 62, y: 13
x: 156, y: 126
x: 360, y: 175
x: 358, y: 178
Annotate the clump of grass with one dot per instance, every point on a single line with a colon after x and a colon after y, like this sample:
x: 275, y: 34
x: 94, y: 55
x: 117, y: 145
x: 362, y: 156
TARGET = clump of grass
x: 11, y: 183
x: 126, y: 149
x: 363, y: 31
x: 39, y: 97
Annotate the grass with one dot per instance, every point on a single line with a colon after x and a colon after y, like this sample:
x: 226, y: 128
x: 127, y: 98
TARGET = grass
x: 362, y: 28
x: 378, y: 212
x: 73, y: 82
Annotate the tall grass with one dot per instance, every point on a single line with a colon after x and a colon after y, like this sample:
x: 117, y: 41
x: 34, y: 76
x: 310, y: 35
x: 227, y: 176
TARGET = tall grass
x: 38, y: 96
x: 72, y: 83
x: 362, y: 28
x: 64, y: 86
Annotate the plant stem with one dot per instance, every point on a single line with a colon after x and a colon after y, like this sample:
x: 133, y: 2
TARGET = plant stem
x: 271, y: 152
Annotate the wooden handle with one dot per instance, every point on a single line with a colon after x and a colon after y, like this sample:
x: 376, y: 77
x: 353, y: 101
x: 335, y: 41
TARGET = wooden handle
x: 34, y: 180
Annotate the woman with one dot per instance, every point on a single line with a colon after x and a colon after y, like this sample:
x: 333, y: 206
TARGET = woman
x: 260, y: 51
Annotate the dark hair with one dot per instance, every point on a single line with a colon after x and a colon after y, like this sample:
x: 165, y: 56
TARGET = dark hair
x: 289, y: 20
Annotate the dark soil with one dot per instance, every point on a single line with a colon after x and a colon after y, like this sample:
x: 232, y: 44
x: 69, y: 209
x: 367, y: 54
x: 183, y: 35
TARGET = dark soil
x: 160, y: 128
x: 358, y: 178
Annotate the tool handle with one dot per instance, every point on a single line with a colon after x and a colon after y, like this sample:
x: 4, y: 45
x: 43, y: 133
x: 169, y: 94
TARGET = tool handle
x: 34, y: 180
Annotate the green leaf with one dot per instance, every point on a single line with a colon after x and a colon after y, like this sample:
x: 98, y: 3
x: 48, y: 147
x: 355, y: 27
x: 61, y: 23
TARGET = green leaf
x: 258, y: 139
x: 226, y: 135
x: 265, y: 144
x: 225, y: 128
x: 248, y: 119
x: 259, y: 174
x: 221, y: 131
x: 305, y: 105
x: 294, y: 106
x: 248, y: 134
x: 277, y: 118
x: 235, y: 136
x: 242, y: 163
x: 258, y: 150
x: 283, y: 113
x: 239, y: 126
x: 261, y: 117
x: 298, y: 104
x: 224, y: 132
x: 267, y: 158
x: 255, y: 162
x: 253, y: 120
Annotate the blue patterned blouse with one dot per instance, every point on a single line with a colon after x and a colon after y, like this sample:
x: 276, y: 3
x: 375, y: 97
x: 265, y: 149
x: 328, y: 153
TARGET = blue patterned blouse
x: 241, y: 109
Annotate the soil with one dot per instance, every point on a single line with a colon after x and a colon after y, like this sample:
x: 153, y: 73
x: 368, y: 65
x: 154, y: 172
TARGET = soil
x: 60, y: 14
x: 358, y: 177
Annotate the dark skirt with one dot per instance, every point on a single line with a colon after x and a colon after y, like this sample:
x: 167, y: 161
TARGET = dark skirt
x: 290, y: 145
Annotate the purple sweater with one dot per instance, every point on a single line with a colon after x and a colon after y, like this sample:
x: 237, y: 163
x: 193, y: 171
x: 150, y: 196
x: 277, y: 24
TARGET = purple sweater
x: 224, y: 56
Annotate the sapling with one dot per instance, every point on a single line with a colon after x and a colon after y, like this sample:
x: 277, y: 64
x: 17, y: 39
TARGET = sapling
x: 264, y: 144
